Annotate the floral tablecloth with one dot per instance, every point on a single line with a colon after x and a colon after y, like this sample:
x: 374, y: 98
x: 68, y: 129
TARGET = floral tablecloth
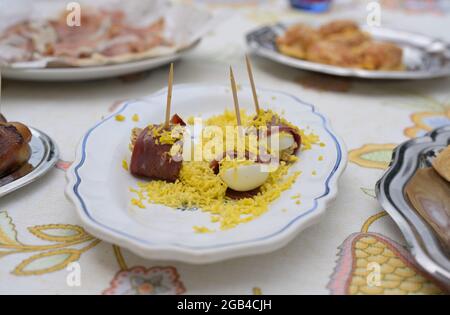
x: 41, y: 237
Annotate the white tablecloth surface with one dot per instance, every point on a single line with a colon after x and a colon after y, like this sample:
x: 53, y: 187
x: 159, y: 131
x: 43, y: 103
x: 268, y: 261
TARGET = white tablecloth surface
x: 40, y: 233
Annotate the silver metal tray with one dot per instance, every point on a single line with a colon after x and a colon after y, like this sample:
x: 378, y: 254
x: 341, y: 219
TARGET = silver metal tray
x: 424, y: 57
x: 390, y: 189
x: 43, y: 157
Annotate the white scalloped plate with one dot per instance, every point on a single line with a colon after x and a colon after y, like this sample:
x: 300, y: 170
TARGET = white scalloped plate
x: 99, y: 186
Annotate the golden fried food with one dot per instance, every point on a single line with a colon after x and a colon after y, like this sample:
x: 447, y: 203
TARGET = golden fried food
x: 296, y: 40
x: 381, y: 56
x: 340, y: 43
x: 14, y: 148
x: 332, y: 53
x: 349, y: 38
x: 337, y: 27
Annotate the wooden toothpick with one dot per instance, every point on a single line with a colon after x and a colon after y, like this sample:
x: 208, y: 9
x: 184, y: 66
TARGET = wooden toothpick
x: 252, y: 83
x: 2, y: 118
x: 169, y: 96
x: 235, y: 97
x: 0, y: 91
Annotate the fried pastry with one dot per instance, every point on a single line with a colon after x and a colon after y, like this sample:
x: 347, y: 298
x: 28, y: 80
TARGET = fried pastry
x: 340, y: 43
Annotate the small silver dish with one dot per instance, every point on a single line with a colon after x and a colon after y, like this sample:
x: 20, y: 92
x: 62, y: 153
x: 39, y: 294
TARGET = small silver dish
x: 407, y: 158
x: 424, y: 57
x: 44, y: 156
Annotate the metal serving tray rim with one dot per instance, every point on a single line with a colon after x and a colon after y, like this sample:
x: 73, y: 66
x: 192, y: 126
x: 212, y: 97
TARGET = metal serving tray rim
x: 49, y: 159
x: 420, y: 40
x: 390, y: 188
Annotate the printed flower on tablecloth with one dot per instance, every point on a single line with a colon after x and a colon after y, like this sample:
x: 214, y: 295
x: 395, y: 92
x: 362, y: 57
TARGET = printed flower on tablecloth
x: 143, y: 281
x: 372, y: 155
x: 398, y: 272
x: 63, y: 250
x: 427, y: 121
x: 364, y: 253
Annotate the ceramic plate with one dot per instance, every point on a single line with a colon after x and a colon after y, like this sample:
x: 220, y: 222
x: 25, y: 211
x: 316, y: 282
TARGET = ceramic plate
x: 44, y: 155
x: 99, y: 186
x: 90, y: 73
x: 424, y: 57
x: 407, y: 159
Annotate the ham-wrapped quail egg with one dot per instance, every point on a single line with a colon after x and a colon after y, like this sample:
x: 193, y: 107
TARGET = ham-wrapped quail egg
x: 285, y: 141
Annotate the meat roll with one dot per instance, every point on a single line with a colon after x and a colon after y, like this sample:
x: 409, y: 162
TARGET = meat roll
x: 151, y: 158
x: 290, y: 139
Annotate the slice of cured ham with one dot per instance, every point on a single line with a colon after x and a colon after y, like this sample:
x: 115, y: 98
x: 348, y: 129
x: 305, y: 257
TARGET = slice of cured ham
x: 152, y: 159
x: 101, y: 34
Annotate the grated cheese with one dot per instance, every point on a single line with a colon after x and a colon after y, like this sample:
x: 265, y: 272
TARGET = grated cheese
x: 120, y: 117
x: 125, y: 164
x: 202, y: 229
x: 164, y: 136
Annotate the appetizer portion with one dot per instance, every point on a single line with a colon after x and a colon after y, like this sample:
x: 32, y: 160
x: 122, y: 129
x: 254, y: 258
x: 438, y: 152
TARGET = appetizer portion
x: 15, y: 150
x: 101, y: 35
x: 340, y: 43
x: 233, y: 190
x: 152, y: 155
x: 241, y: 162
x: 289, y: 136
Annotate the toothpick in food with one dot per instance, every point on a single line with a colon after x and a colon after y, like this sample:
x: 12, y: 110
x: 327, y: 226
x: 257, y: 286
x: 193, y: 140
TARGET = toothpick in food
x: 235, y: 97
x: 169, y: 97
x: 252, y: 83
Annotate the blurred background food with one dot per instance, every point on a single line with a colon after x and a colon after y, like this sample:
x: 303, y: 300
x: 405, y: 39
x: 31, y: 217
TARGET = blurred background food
x: 340, y: 43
